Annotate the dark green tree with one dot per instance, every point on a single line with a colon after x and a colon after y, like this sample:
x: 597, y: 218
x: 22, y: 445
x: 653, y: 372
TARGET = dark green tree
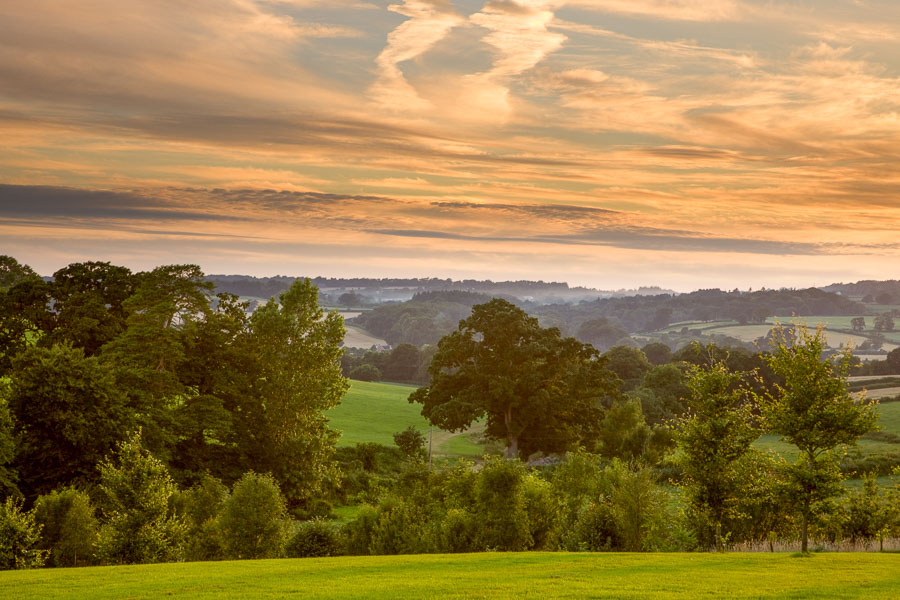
x: 630, y: 364
x: 537, y: 390
x: 12, y: 272
x: 69, y: 414
x: 814, y: 411
x: 88, y: 304
x: 858, y: 323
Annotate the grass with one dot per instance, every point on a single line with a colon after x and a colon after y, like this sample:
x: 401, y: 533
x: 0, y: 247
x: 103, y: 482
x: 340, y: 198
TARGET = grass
x: 485, y: 576
x: 374, y: 412
x: 888, y: 420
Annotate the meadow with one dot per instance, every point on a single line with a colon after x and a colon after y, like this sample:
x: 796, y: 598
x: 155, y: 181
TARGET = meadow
x: 497, y: 576
x: 373, y: 412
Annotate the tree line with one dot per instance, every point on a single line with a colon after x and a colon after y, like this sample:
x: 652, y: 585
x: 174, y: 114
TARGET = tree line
x: 145, y: 419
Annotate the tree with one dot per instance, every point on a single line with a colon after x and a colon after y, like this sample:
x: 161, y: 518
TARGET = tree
x: 814, y: 411
x: 69, y: 414
x: 713, y: 438
x: 19, y: 537
x: 136, y: 490
x: 858, y: 323
x: 537, y: 390
x: 600, y: 333
x: 296, y: 377
x: 254, y: 518
x: 411, y: 442
x: 630, y: 364
x: 8, y: 476
x: 12, y: 272
x: 657, y: 353
x: 88, y: 304
x: 69, y: 528
x: 884, y: 322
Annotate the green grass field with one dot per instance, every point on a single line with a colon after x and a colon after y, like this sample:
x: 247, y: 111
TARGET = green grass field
x: 374, y: 412
x: 486, y: 576
x: 888, y: 420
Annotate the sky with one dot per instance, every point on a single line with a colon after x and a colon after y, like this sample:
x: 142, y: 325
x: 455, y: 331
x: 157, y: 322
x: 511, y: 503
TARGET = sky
x: 608, y: 143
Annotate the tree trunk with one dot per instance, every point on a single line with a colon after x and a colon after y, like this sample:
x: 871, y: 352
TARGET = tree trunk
x: 512, y: 446
x: 512, y: 440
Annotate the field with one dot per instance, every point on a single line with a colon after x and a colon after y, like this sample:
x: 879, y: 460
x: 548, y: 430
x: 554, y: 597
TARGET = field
x: 888, y: 420
x: 357, y: 338
x: 487, y: 576
x: 374, y: 412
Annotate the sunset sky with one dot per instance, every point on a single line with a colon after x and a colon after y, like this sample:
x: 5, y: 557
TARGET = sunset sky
x: 608, y: 143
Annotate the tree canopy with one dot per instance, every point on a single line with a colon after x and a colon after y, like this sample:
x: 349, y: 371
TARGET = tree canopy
x: 536, y: 389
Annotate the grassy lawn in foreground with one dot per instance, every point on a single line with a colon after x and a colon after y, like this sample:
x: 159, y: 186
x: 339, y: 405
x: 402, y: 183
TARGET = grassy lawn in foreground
x: 488, y: 576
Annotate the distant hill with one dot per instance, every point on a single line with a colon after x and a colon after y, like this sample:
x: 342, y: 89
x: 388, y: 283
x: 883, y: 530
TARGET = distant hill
x: 869, y: 291
x: 378, y: 291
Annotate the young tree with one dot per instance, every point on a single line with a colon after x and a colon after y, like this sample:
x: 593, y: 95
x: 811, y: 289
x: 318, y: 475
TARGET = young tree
x: 70, y: 529
x: 814, y: 411
x: 254, y: 521
x: 19, y: 537
x: 139, y: 527
x: 713, y: 438
x: 539, y: 391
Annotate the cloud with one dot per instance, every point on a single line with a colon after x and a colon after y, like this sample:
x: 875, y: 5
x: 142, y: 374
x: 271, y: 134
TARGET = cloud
x: 429, y: 23
x: 678, y: 10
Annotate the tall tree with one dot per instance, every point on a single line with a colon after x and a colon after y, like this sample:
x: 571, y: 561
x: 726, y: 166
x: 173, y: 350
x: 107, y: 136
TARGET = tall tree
x: 69, y: 414
x: 280, y: 425
x: 88, y: 304
x: 537, y: 390
x: 713, y: 438
x: 13, y: 272
x: 814, y: 411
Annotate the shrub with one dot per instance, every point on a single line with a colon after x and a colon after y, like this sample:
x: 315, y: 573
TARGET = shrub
x: 313, y: 538
x: 137, y: 489
x: 502, y: 518
x: 201, y: 505
x: 357, y: 534
x: 19, y: 537
x: 69, y: 528
x: 365, y: 372
x: 411, y: 442
x: 254, y: 522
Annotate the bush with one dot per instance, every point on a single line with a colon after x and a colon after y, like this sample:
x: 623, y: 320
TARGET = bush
x: 502, y: 517
x: 69, y: 528
x: 19, y: 537
x: 411, y: 442
x: 253, y: 523
x: 313, y: 538
x: 201, y: 505
x: 365, y: 373
x: 137, y: 489
x: 357, y: 534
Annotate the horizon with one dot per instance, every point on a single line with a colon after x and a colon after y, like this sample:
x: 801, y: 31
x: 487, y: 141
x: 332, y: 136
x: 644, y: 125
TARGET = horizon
x: 603, y: 143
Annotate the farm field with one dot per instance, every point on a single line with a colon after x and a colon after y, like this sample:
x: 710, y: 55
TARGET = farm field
x: 486, y: 576
x: 357, y: 338
x: 835, y: 339
x: 374, y: 412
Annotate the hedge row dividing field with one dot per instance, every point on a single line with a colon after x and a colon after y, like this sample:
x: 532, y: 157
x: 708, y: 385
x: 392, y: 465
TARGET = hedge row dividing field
x: 488, y: 576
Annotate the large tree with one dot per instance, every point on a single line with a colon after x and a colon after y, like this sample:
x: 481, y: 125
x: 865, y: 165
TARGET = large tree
x: 814, y: 411
x: 68, y: 413
x: 536, y: 389
x: 280, y: 426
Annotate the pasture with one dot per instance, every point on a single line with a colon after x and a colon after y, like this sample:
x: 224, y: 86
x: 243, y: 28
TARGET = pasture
x: 493, y: 576
x: 373, y: 412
